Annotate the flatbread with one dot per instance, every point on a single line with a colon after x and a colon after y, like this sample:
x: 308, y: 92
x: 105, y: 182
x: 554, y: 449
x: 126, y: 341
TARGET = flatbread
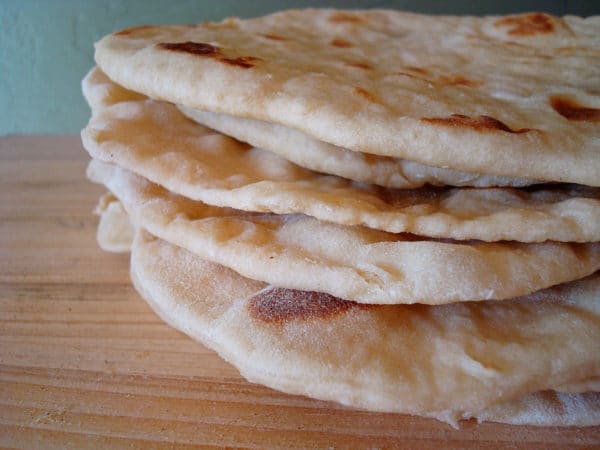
x: 118, y: 231
x: 448, y: 362
x: 542, y: 408
x: 156, y: 141
x: 320, y: 156
x: 115, y: 232
x: 357, y: 263
x: 515, y: 96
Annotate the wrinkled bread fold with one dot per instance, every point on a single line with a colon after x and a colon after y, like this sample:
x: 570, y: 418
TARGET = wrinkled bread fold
x: 115, y: 231
x: 305, y: 151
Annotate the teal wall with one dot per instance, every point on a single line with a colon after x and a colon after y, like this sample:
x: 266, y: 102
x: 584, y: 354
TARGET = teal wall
x: 46, y: 45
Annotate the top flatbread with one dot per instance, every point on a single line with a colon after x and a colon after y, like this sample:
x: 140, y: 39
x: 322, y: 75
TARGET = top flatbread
x: 515, y: 96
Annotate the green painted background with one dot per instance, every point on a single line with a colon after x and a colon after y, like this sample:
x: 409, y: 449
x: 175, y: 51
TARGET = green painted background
x: 46, y: 45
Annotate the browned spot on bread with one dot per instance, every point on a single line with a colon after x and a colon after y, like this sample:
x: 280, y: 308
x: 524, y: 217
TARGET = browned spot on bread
x: 128, y: 31
x: 402, y: 198
x: 571, y: 110
x: 243, y: 61
x: 366, y: 94
x: 419, y: 70
x: 480, y: 123
x: 278, y: 305
x: 274, y: 37
x: 341, y: 17
x: 457, y: 80
x: 341, y: 43
x: 195, y: 48
x: 374, y: 159
x: 452, y: 80
x: 360, y: 65
x: 527, y: 24
x: 211, y: 51
x: 410, y: 75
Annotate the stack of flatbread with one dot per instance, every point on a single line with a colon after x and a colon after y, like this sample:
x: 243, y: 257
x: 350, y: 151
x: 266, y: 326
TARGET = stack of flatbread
x: 393, y: 211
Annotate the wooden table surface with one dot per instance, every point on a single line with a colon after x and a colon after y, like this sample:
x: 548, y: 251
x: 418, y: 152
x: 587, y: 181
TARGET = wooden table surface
x: 84, y: 363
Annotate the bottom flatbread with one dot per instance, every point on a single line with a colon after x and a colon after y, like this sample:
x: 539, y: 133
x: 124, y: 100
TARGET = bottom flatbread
x: 547, y: 408
x: 115, y: 233
x: 449, y: 362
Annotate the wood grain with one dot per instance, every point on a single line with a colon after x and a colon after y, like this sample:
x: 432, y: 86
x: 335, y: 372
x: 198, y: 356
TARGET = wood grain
x: 84, y: 363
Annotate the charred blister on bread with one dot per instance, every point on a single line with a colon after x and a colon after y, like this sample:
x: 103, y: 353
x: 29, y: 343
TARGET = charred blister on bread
x: 366, y: 95
x: 274, y: 37
x: 195, y: 48
x: 209, y: 50
x: 479, y: 123
x: 457, y: 80
x: 359, y: 65
x: 245, y: 62
x: 527, y: 24
x: 280, y: 305
x: 340, y: 43
x: 571, y: 110
x: 343, y: 17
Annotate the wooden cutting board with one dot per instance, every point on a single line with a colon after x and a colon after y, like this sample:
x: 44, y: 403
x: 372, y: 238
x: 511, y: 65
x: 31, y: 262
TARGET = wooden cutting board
x: 84, y: 363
